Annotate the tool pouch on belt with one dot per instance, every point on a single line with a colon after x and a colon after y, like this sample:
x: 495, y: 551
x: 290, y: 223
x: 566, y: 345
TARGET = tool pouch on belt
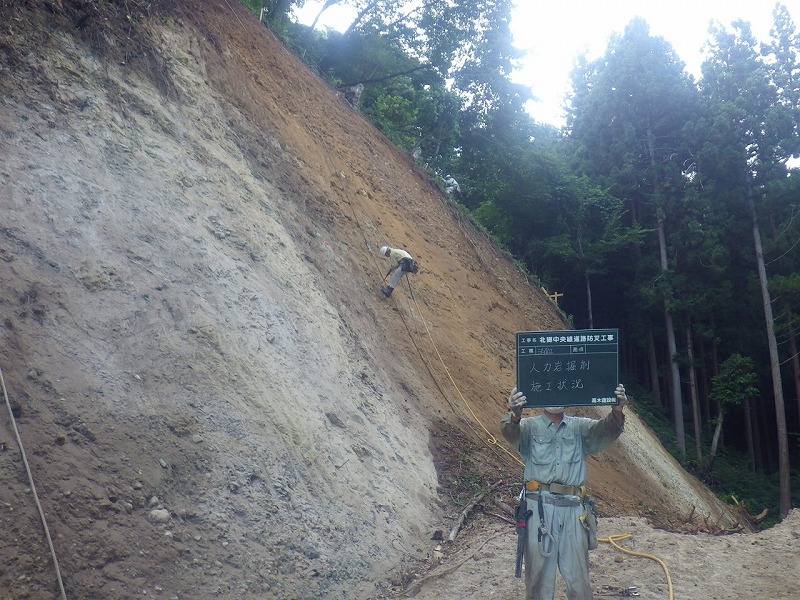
x: 589, y: 521
x: 409, y: 265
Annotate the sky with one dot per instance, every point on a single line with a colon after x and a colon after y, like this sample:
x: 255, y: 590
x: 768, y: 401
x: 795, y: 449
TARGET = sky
x: 554, y: 32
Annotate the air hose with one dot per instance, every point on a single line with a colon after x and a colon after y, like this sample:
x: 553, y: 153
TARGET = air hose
x: 613, y: 539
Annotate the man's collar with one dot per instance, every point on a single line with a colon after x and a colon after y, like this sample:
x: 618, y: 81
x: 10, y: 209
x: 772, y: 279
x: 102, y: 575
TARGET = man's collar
x: 564, y: 419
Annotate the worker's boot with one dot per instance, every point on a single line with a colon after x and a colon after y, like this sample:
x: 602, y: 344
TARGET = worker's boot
x: 387, y: 291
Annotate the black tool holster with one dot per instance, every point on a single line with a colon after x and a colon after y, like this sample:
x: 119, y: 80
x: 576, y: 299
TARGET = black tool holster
x: 523, y: 513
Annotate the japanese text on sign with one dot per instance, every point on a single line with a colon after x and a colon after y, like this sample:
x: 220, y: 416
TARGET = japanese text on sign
x: 568, y: 368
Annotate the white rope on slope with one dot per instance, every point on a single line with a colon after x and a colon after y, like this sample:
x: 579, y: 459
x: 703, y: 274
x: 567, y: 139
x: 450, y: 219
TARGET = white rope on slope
x: 33, y: 488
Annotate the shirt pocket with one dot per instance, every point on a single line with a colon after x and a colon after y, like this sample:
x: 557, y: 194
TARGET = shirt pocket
x: 542, y: 449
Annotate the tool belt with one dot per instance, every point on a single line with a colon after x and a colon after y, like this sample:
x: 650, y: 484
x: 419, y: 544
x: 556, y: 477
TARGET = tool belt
x: 556, y: 488
x: 557, y: 500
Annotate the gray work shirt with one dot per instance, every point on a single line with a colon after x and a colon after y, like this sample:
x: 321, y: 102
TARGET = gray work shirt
x: 555, y: 454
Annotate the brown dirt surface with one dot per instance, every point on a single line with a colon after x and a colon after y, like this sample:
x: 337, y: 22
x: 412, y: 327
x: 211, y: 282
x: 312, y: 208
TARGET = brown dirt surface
x: 213, y: 398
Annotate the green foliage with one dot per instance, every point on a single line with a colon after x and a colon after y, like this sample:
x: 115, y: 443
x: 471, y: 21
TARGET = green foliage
x: 394, y: 112
x: 254, y: 6
x: 627, y: 119
x: 731, y: 477
x: 469, y: 484
x: 736, y: 383
x: 735, y: 483
x: 494, y: 220
x: 438, y: 124
x: 637, y: 90
x: 754, y: 114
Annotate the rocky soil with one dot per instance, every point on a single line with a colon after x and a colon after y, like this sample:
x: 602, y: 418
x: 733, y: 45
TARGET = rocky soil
x: 213, y: 398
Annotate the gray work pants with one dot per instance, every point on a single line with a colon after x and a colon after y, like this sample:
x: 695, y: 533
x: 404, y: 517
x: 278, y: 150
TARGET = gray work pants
x: 568, y: 551
x: 396, y: 277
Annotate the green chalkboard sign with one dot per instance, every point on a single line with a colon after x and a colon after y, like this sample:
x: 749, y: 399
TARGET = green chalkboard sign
x: 568, y: 368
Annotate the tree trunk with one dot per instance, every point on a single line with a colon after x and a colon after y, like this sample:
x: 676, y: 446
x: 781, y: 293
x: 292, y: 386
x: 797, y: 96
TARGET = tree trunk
x: 761, y: 456
x: 777, y: 385
x: 748, y: 432
x: 704, y: 385
x: 655, y: 384
x: 698, y: 425
x: 278, y: 7
x: 325, y: 6
x: 766, y: 439
x: 360, y: 17
x: 672, y: 348
x: 677, y: 401
x: 589, y: 299
x: 715, y: 370
x: 715, y: 442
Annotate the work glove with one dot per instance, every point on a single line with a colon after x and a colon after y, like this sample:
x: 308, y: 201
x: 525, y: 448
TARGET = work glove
x: 516, y: 400
x: 622, y: 398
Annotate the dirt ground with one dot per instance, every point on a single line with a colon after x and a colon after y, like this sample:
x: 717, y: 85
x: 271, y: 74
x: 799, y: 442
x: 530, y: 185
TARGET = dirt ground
x: 728, y: 567
x: 213, y: 398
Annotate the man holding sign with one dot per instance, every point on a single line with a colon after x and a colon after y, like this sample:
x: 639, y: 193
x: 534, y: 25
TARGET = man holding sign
x: 554, y: 447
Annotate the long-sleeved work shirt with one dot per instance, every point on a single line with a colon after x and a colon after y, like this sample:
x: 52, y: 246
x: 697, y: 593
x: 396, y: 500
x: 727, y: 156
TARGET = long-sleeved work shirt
x: 555, y: 453
x: 397, y: 254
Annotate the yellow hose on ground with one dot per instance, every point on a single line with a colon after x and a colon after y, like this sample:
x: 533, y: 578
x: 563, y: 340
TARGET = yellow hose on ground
x: 613, y: 539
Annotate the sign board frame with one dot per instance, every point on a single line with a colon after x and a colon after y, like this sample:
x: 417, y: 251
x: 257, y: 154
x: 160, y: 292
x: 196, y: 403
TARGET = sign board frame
x: 568, y: 368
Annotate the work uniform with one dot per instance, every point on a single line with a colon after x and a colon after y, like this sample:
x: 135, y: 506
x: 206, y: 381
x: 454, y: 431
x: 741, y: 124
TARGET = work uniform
x: 452, y: 185
x: 397, y: 255
x: 555, y: 454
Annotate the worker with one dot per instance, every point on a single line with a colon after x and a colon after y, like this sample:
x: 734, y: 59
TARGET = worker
x: 402, y: 263
x: 451, y: 185
x: 553, y: 447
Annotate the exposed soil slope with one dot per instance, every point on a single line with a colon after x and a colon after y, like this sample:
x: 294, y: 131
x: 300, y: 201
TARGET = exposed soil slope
x: 214, y: 399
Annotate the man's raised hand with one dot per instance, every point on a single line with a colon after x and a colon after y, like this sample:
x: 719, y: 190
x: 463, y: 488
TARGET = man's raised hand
x: 622, y: 397
x: 516, y: 400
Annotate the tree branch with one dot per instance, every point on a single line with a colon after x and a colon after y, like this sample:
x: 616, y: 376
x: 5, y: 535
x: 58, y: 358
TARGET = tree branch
x: 389, y: 76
